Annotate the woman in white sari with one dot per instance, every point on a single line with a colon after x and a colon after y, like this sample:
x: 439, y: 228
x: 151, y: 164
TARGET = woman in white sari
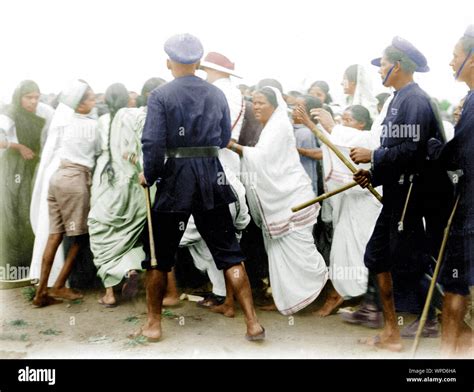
x: 118, y: 211
x: 354, y: 212
x: 358, y: 87
x: 275, y: 182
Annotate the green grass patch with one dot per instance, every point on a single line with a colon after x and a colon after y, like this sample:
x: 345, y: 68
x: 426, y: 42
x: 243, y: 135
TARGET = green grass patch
x: 168, y: 313
x: 137, y: 341
x: 132, y: 320
x: 18, y: 323
x: 50, y: 331
x: 29, y: 293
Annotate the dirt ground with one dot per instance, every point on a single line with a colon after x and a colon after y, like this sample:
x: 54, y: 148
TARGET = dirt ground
x: 85, y: 329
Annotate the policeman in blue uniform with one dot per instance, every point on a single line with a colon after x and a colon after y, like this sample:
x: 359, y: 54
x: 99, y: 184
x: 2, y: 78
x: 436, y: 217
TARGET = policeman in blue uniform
x: 457, y: 270
x: 398, y: 242
x: 187, y: 123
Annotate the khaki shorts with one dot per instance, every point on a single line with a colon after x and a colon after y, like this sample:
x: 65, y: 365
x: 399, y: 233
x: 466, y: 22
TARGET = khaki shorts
x: 69, y: 199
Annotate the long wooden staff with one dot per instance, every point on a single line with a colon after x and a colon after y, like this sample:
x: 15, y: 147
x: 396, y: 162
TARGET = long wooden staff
x: 454, y: 176
x: 342, y: 157
x: 324, y: 196
x: 424, y: 315
x: 154, y: 262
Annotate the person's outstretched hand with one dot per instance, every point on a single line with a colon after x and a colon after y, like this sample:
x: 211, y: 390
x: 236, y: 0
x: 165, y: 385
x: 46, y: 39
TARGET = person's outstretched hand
x: 362, y: 177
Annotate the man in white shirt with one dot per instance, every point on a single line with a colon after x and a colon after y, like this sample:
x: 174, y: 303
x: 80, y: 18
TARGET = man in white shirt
x: 69, y: 191
x: 219, y: 69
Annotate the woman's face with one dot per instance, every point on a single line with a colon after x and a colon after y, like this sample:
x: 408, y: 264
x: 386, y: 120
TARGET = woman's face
x: 29, y: 102
x: 262, y: 109
x: 349, y: 121
x: 316, y: 92
x: 348, y: 86
x: 88, y: 104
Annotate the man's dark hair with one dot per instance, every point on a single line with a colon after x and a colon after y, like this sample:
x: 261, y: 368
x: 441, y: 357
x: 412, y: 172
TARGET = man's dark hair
x: 147, y: 88
x: 323, y: 86
x: 361, y: 114
x: 311, y: 102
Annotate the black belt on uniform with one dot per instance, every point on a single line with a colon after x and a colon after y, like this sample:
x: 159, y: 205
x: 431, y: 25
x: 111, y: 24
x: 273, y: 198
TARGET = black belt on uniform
x: 192, y: 152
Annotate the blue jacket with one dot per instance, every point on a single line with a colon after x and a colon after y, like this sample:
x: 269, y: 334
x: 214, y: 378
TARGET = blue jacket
x: 458, y: 153
x: 187, y: 112
x: 409, y: 124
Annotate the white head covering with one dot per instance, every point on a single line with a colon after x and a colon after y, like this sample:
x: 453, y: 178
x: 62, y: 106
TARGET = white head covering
x: 72, y: 94
x: 363, y: 92
x: 273, y: 172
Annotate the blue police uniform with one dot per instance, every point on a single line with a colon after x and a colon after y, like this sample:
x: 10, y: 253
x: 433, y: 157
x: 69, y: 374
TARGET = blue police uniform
x: 457, y: 271
x: 187, y: 122
x: 187, y: 112
x: 409, y: 124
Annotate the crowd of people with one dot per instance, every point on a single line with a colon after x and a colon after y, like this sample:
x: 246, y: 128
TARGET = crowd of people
x: 231, y: 170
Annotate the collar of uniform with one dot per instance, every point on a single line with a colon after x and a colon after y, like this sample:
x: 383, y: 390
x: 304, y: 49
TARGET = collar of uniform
x: 187, y: 76
x: 405, y: 88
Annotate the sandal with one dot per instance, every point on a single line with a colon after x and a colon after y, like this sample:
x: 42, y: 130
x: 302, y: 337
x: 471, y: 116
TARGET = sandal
x: 130, y: 287
x: 210, y: 301
x: 256, y: 338
x: 106, y: 305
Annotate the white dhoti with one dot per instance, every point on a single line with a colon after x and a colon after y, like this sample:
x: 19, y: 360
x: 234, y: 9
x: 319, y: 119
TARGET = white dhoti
x: 191, y: 239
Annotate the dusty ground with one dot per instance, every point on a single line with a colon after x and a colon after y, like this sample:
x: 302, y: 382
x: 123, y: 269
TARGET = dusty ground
x: 85, y: 329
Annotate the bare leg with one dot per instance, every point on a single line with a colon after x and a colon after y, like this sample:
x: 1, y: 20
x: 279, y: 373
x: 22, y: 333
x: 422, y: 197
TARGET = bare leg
x: 59, y: 290
x: 227, y: 308
x: 333, y: 301
x: 155, y: 289
x: 109, y: 297
x: 238, y: 279
x: 42, y: 298
x: 171, y: 296
x: 389, y: 338
x: 465, y: 344
x: 454, y: 309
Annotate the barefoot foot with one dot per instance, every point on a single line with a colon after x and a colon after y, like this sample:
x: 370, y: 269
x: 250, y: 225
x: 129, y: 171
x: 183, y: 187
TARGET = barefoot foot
x: 151, y: 331
x: 387, y: 343
x: 64, y: 293
x: 170, y: 301
x: 225, y: 309
x: 45, y: 300
x: 330, y: 306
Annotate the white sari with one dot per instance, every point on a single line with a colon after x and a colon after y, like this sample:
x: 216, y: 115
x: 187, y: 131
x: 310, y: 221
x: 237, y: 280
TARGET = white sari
x: 363, y: 92
x: 354, y: 212
x: 275, y: 182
